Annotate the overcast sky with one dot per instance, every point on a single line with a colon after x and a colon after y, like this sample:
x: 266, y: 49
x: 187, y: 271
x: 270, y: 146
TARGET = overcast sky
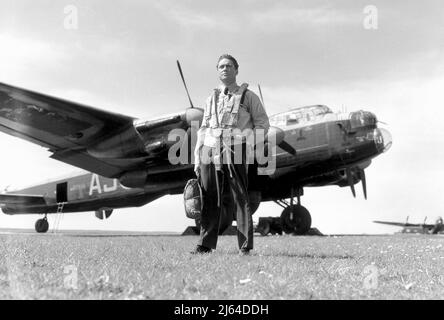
x: 121, y: 57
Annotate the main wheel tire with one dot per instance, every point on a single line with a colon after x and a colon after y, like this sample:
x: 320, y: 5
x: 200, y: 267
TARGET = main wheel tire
x: 41, y: 225
x: 296, y: 220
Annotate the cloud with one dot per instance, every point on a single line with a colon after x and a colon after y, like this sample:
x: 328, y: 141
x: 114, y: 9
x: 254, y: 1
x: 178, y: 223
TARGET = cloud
x: 280, y: 18
x: 19, y: 56
x: 244, y: 16
x: 197, y: 17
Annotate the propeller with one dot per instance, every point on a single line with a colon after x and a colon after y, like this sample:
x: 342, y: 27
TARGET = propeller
x: 364, y: 182
x: 260, y: 93
x: 287, y: 147
x: 184, y: 83
x: 278, y: 135
x: 350, y: 181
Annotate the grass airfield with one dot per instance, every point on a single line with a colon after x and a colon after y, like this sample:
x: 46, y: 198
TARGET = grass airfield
x: 138, y: 266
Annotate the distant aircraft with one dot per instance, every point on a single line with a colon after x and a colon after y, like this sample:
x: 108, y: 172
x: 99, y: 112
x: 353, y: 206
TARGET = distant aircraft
x: 127, y: 158
x: 435, y: 228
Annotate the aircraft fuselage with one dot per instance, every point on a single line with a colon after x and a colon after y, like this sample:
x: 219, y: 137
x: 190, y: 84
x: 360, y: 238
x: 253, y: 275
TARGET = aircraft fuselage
x: 85, y: 192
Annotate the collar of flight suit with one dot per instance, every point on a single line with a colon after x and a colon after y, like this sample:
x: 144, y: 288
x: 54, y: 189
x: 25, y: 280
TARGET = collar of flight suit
x: 232, y: 88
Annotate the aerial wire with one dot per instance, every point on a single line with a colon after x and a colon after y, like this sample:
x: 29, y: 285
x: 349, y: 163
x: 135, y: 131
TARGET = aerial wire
x: 184, y: 83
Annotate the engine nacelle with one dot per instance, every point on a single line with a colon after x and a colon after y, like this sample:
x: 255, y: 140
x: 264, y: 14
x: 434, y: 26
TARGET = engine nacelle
x: 182, y: 119
x: 121, y: 145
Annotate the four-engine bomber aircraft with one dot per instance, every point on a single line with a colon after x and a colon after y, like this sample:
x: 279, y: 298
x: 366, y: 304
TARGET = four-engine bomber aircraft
x: 128, y: 164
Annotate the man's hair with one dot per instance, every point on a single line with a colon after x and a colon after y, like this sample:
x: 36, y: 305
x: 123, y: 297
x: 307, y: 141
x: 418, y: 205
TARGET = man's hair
x: 229, y: 57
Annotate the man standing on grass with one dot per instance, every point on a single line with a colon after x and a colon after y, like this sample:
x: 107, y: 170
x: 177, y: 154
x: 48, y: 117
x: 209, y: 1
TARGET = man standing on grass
x: 231, y: 113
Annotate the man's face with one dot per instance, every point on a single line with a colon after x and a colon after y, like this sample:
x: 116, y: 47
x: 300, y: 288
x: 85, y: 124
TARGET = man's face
x: 227, y: 71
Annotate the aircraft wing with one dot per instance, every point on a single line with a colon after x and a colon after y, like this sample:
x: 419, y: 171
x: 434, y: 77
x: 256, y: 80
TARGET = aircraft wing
x: 21, y: 199
x: 400, y: 224
x: 96, y: 140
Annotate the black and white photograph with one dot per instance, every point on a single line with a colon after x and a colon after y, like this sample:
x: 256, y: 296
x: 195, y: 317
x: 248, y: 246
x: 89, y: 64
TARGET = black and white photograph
x: 221, y: 155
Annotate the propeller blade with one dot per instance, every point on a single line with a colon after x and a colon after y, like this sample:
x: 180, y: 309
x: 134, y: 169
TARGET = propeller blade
x: 260, y: 93
x: 184, y: 83
x: 350, y: 181
x: 287, y: 147
x: 364, y: 182
x: 278, y: 135
x: 275, y: 134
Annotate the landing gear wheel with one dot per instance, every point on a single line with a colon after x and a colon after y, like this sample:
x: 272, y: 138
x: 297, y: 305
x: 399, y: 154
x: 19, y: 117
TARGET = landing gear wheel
x: 41, y: 225
x: 296, y: 219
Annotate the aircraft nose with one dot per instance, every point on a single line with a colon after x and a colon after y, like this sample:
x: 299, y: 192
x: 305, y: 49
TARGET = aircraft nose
x: 383, y: 139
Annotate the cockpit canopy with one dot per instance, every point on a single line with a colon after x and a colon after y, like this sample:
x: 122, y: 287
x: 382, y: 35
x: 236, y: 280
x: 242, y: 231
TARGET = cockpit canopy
x: 299, y: 115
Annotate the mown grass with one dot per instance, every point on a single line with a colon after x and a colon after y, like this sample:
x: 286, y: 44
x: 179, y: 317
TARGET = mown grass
x: 280, y: 267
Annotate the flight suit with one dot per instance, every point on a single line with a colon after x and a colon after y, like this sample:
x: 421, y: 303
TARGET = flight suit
x: 221, y: 155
